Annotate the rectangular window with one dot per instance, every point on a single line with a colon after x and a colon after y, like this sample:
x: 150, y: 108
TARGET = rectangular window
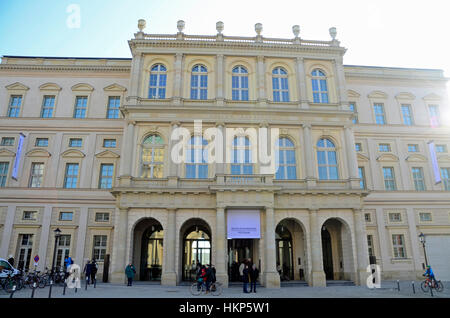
x: 7, y: 141
x: 99, y: 247
x: 36, y: 175
x: 75, y: 142
x: 398, y: 243
x: 419, y: 182
x: 14, y: 106
x: 80, y: 107
x: 25, y: 249
x: 441, y: 148
x: 445, y: 176
x: 71, y: 176
x: 101, y: 217
x: 63, y: 250
x: 367, y: 217
x: 407, y: 115
x: 395, y: 217
x: 352, y: 106
x: 425, y: 217
x: 106, y: 176
x: 109, y: 143
x: 48, y: 105
x: 370, y: 245
x: 41, y: 142
x: 389, y: 179
x: 29, y: 215
x: 113, y: 107
x: 384, y: 147
x: 65, y: 216
x: 413, y: 148
x: 358, y: 147
x: 362, y: 178
x: 4, y: 167
x: 380, y: 117
x: 434, y: 115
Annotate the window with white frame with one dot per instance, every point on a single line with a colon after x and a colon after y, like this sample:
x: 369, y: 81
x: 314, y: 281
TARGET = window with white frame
x: 327, y: 160
x: 287, y: 167
x: 109, y: 143
x: 113, y: 107
x: 370, y: 245
x: 152, y: 157
x: 441, y: 148
x: 29, y: 215
x: 445, y: 176
x: 99, y: 251
x: 419, y: 181
x: 395, y: 217
x: 158, y: 82
x: 425, y: 217
x: 65, y: 216
x: 36, y: 175
x: 384, y: 147
x: 199, y: 82
x: 358, y: 147
x: 319, y: 86
x: 362, y: 178
x: 71, y: 176
x: 7, y: 141
x: 41, y: 142
x: 352, y: 106
x: 75, y: 142
x: 389, y: 179
x: 434, y: 115
x: 24, y: 252
x: 4, y: 168
x: 101, y: 217
x: 380, y: 117
x: 48, y: 106
x: 413, y: 148
x: 280, y: 85
x: 239, y: 83
x: 197, y: 158
x: 367, y: 217
x: 106, y: 176
x: 398, y: 244
x: 62, y: 250
x: 407, y: 115
x: 80, y: 107
x: 241, y: 162
x: 15, y: 102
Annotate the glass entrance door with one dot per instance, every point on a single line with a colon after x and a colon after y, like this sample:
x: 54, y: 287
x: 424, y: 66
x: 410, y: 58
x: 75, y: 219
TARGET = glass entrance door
x: 197, y: 250
x: 239, y: 250
x: 152, y: 253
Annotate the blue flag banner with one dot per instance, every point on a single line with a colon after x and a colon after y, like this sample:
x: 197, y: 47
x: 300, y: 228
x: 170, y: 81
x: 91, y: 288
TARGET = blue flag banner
x: 434, y: 162
x: 18, y: 156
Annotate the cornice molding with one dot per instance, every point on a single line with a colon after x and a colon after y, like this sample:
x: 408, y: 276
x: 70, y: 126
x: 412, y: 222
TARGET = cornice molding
x: 65, y: 68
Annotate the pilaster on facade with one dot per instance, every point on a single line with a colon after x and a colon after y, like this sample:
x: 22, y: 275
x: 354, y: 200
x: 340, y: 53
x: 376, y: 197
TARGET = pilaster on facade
x: 317, y: 276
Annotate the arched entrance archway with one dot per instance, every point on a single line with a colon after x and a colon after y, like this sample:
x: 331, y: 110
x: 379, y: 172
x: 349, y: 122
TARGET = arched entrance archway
x: 148, y: 249
x: 337, y: 251
x: 196, y: 243
x: 285, y: 257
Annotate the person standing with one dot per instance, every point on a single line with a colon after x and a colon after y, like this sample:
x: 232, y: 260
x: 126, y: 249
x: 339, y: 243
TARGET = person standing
x: 245, y: 278
x: 208, y: 277
x: 87, y: 270
x: 130, y: 270
x: 11, y: 260
x: 254, y: 273
x: 94, y: 270
x: 241, y: 271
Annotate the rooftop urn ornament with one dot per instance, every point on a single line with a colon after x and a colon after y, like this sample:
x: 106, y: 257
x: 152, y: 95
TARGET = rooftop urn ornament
x: 219, y: 27
x: 258, y: 30
x: 296, y: 31
x: 180, y: 25
x: 141, y: 24
x: 333, y: 33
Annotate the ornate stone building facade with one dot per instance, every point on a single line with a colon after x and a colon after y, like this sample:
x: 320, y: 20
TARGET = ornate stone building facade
x: 355, y: 174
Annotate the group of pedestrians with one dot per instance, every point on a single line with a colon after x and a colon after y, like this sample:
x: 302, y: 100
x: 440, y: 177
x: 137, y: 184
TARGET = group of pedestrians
x: 205, y: 274
x: 90, y: 269
x: 249, y: 274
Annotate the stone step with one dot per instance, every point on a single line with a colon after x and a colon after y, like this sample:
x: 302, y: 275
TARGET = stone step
x: 340, y: 283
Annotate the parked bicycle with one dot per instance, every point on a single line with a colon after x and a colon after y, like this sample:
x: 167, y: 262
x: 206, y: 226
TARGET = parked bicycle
x: 215, y: 289
x: 7, y: 283
x: 431, y: 283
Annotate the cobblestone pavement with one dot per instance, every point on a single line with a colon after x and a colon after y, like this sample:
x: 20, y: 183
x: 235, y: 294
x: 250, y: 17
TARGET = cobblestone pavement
x: 141, y: 290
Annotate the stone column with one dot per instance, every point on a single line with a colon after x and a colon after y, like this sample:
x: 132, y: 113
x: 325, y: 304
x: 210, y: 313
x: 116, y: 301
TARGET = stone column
x: 261, y: 80
x: 317, y: 278
x: 414, y: 242
x: 120, y: 246
x: 169, y: 276
x: 301, y: 81
x: 362, y: 252
x: 177, y: 91
x: 127, y: 150
x: 271, y: 276
x: 352, y: 162
x: 7, y: 231
x: 220, y: 96
x: 308, y: 156
x: 221, y: 246
x: 220, y: 166
x: 45, y: 239
x: 136, y: 67
x: 81, y: 236
x: 173, y: 167
x: 341, y: 84
x: 405, y: 172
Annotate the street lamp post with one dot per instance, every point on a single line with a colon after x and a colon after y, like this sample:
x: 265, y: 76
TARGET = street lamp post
x: 422, y: 240
x: 57, y: 235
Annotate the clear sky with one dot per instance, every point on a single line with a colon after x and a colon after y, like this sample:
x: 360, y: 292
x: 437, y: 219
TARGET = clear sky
x: 400, y: 33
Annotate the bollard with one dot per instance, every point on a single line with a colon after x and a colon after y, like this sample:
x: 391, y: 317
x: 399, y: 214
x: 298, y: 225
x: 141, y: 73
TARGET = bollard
x: 85, y: 285
x: 64, y: 289
x: 75, y: 290
x: 398, y: 285
x: 50, y: 289
x: 414, y: 289
x: 32, y: 291
x: 13, y: 291
x: 95, y: 281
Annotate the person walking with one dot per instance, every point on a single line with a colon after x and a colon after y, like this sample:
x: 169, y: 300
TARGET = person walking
x: 208, y: 277
x: 241, y: 271
x: 87, y: 270
x: 94, y: 270
x: 245, y: 278
x: 130, y: 270
x: 254, y: 273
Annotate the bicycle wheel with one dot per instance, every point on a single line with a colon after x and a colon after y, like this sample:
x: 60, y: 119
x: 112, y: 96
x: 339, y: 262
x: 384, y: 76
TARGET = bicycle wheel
x: 8, y: 286
x: 216, y: 289
x: 424, y: 286
x: 43, y: 281
x: 439, y: 286
x: 196, y: 290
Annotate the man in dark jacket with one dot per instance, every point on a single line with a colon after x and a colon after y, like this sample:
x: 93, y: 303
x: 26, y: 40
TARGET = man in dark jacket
x: 209, y: 276
x: 245, y: 278
x: 87, y: 270
x: 94, y: 270
x: 254, y: 273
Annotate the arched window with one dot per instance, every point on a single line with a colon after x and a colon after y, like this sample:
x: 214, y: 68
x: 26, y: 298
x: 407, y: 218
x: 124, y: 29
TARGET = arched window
x: 239, y: 83
x: 319, y: 86
x: 158, y: 79
x: 326, y: 159
x: 286, y: 160
x: 199, y: 82
x: 196, y: 161
x: 241, y: 161
x: 152, y: 157
x: 280, y: 85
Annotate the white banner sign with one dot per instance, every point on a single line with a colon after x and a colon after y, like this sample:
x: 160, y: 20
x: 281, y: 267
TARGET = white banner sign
x: 243, y: 224
x: 434, y: 162
x: 18, y: 157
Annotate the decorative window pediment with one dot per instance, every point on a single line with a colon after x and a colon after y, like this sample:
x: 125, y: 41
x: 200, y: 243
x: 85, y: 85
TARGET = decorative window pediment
x: 387, y: 157
x: 432, y: 97
x: 38, y: 153
x: 444, y: 158
x: 82, y: 87
x: 6, y: 153
x: 353, y: 94
x: 107, y: 154
x: 73, y: 153
x: 115, y: 88
x: 416, y: 158
x: 405, y: 95
x: 50, y: 87
x: 378, y: 94
x: 361, y: 157
x: 17, y: 87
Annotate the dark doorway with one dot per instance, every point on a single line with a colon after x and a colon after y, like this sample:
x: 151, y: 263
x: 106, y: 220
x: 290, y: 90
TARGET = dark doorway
x: 327, y: 254
x: 285, y: 263
x: 152, y: 253
x: 239, y: 250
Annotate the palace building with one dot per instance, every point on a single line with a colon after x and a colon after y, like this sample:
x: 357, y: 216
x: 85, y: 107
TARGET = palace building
x: 87, y: 146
